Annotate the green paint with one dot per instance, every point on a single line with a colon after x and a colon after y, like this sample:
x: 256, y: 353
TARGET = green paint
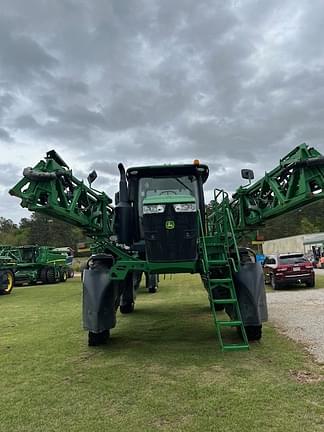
x: 169, y: 199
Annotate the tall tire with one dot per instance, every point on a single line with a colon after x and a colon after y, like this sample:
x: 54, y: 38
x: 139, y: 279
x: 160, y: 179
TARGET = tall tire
x: 152, y: 290
x: 127, y: 308
x: 10, y: 283
x: 70, y: 273
x: 63, y: 275
x: 311, y: 283
x: 253, y: 333
x: 82, y: 268
x: 43, y: 275
x: 273, y: 283
x: 53, y: 275
x: 96, y: 339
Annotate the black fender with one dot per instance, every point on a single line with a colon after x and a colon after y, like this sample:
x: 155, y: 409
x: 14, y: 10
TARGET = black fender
x: 251, y: 296
x: 100, y: 294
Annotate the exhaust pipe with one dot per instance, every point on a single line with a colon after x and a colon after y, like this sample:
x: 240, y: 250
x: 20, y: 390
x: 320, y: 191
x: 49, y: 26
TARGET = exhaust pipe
x: 123, y: 220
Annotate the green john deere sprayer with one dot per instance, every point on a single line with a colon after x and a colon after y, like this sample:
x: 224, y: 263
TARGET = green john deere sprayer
x: 160, y: 224
x: 32, y: 264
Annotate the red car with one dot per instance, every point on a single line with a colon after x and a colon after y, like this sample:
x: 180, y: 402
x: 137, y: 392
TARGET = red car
x: 286, y: 269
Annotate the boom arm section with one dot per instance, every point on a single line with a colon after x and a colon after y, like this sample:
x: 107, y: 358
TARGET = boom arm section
x: 297, y: 181
x: 51, y: 189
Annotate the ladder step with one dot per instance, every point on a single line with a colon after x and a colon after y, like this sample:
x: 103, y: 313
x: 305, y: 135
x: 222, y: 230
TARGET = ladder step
x: 220, y: 281
x: 235, y: 347
x: 230, y: 323
x: 217, y: 262
x: 213, y: 243
x: 224, y: 301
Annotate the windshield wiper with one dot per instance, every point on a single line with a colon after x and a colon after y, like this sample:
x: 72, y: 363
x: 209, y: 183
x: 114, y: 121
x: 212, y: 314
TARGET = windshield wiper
x: 183, y: 184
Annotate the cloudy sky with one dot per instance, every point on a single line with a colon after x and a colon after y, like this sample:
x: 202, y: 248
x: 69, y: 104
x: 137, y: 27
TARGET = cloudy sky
x: 235, y: 83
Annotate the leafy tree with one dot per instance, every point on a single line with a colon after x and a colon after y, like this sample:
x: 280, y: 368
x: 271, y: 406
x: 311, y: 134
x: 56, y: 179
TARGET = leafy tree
x: 7, y: 225
x: 52, y: 232
x: 8, y: 231
x: 41, y: 230
x: 306, y: 220
x: 308, y: 227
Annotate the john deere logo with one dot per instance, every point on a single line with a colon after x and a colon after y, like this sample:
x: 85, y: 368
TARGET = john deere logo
x: 169, y: 224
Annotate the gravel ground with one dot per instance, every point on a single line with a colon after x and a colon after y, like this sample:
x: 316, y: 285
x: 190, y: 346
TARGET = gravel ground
x: 300, y: 315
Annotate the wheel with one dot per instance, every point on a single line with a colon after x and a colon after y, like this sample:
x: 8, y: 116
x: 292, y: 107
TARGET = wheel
x: 152, y: 290
x: 151, y: 282
x: 82, y: 268
x: 96, y: 339
x: 63, y: 276
x: 53, y: 275
x: 127, y: 308
x: 253, y: 333
x: 311, y: 283
x: 70, y: 273
x: 10, y: 283
x: 43, y: 275
x: 274, y: 283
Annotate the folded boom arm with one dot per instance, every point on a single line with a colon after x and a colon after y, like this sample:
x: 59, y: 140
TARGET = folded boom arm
x: 50, y: 188
x: 297, y: 180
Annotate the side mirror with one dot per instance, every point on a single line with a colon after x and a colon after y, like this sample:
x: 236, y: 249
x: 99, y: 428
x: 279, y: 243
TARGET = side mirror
x: 247, y: 174
x: 92, y: 177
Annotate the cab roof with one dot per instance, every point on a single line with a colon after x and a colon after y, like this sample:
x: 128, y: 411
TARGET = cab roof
x: 169, y: 171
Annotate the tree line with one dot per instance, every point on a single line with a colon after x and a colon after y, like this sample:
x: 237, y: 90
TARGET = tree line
x: 306, y: 220
x: 39, y: 229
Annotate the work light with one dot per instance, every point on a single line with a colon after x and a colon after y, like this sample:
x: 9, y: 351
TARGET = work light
x: 184, y: 208
x: 153, y: 208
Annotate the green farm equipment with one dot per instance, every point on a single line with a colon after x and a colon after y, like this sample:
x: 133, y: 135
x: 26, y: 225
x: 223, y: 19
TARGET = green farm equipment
x: 160, y: 224
x: 7, y: 271
x: 33, y: 264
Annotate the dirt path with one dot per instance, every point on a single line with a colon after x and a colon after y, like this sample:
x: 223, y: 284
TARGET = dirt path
x: 300, y: 314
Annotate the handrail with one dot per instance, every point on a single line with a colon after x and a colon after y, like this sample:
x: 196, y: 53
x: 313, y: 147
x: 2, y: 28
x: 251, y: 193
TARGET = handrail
x: 202, y: 239
x: 222, y: 222
x: 230, y: 220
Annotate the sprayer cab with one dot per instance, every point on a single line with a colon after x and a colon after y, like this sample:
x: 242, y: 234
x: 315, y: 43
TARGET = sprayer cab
x: 158, y: 210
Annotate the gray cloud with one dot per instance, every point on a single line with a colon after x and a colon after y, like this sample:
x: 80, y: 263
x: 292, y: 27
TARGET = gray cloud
x: 8, y: 174
x: 4, y: 135
x: 6, y: 102
x: 110, y: 168
x: 20, y: 55
x: 26, y: 121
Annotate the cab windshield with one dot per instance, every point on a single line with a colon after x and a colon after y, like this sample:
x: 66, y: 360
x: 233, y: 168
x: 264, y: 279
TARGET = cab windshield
x: 155, y: 186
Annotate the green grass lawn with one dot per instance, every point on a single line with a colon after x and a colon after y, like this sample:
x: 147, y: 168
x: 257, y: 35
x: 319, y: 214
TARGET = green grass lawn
x: 162, y: 370
x: 319, y: 281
